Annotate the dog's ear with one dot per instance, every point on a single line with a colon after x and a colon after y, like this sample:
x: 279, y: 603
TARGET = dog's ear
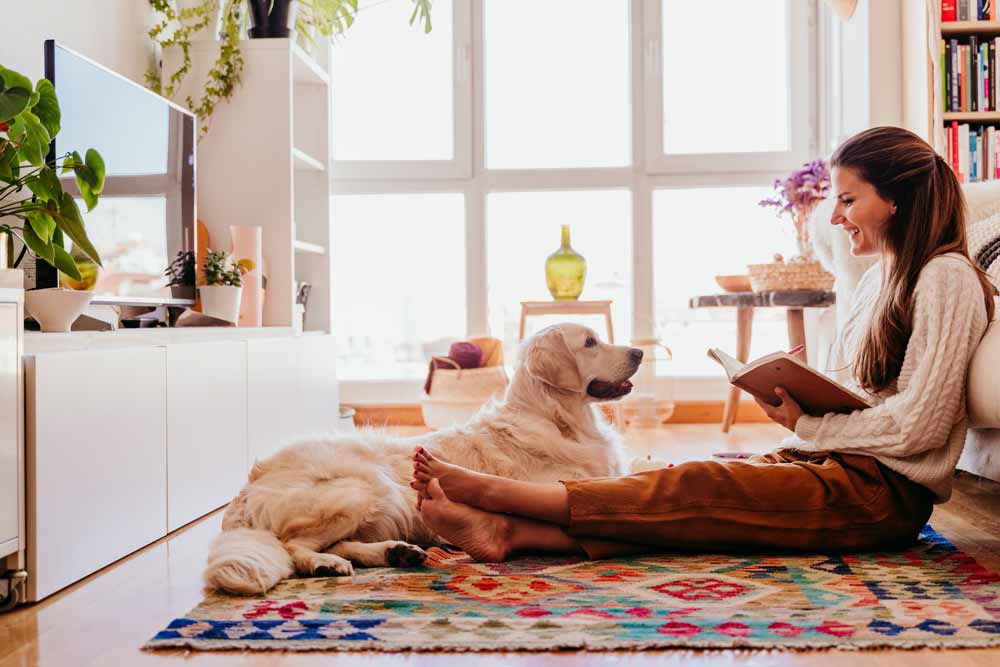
x: 549, y: 359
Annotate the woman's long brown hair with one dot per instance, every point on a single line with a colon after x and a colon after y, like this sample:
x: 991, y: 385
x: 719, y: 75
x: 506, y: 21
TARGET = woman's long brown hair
x: 929, y: 221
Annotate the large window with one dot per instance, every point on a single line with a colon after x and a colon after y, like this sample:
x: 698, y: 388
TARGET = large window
x: 651, y: 127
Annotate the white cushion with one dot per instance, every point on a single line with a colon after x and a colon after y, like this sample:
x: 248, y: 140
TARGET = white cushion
x: 984, y: 381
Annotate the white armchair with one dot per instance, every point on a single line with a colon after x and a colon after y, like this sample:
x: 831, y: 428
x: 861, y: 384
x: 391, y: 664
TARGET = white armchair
x: 982, y: 446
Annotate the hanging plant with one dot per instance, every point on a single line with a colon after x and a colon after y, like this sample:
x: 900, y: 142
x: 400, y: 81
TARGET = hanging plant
x: 176, y: 27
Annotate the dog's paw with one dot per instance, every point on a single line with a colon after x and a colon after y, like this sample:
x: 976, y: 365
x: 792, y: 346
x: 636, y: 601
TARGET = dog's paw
x: 405, y: 555
x: 328, y: 565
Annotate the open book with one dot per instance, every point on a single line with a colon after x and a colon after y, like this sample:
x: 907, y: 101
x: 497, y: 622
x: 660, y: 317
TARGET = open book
x: 815, y: 393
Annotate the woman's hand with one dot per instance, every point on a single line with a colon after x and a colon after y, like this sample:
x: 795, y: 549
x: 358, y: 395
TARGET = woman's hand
x: 786, y: 413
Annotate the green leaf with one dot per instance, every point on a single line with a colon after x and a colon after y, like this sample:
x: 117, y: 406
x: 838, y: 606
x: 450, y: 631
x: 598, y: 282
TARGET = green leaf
x: 42, y: 249
x: 15, y: 93
x: 70, y: 221
x: 65, y: 262
x: 42, y: 223
x: 33, y: 137
x: 45, y: 185
x: 96, y: 164
x: 47, y: 108
x: 8, y: 154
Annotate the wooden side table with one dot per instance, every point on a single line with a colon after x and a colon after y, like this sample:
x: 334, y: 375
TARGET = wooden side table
x: 535, y: 308
x: 794, y: 303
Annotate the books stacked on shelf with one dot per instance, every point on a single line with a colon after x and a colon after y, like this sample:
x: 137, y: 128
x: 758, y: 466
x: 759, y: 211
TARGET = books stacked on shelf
x: 970, y: 74
x: 968, y: 10
x: 973, y: 152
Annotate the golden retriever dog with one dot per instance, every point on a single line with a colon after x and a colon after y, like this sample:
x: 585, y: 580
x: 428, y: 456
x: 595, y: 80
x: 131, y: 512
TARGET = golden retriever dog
x: 321, y: 507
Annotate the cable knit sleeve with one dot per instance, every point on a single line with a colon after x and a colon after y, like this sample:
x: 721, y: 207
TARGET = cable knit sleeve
x: 948, y: 310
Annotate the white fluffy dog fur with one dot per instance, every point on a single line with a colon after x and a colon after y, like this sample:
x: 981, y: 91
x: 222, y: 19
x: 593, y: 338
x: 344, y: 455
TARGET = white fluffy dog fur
x: 323, y: 506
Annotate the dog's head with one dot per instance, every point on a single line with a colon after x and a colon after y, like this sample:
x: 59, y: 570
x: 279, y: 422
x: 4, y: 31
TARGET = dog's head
x: 571, y: 358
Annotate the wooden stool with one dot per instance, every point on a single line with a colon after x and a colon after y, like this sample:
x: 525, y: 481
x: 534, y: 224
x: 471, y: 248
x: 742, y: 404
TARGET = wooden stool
x: 534, y: 308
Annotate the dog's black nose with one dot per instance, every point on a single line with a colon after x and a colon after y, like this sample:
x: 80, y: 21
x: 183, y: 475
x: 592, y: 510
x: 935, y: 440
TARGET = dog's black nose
x: 635, y: 354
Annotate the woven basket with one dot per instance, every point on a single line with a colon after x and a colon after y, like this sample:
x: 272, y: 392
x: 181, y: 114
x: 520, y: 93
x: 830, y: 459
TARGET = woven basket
x: 779, y: 276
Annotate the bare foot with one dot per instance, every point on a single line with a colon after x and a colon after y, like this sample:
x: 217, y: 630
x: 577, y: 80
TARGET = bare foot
x: 482, y: 535
x: 461, y: 484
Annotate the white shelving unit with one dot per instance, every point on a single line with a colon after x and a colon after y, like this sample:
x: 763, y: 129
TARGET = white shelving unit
x: 266, y: 161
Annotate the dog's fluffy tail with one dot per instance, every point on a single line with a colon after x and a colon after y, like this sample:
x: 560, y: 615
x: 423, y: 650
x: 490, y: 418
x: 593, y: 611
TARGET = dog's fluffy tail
x: 247, y: 561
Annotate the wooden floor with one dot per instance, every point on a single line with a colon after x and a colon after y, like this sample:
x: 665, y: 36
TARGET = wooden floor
x: 104, y: 619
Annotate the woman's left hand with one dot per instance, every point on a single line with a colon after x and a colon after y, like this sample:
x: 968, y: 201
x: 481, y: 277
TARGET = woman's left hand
x: 786, y: 413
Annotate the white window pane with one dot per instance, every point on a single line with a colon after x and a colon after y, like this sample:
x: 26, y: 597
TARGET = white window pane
x: 557, y: 83
x: 398, y: 282
x: 725, y: 90
x: 393, y: 87
x: 697, y: 235
x: 523, y: 229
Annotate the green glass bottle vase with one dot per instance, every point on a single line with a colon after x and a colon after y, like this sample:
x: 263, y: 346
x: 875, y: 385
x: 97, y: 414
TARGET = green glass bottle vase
x: 565, y: 270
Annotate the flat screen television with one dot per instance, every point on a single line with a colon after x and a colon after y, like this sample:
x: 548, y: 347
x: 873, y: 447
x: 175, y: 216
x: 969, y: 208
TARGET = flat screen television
x: 146, y: 213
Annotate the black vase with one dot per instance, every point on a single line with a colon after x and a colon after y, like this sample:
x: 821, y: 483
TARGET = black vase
x: 259, y: 18
x: 282, y: 18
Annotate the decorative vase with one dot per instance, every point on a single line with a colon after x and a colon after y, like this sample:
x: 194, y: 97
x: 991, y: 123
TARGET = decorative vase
x: 247, y: 244
x: 55, y: 309
x: 800, y: 219
x: 282, y: 18
x: 565, y: 270
x: 89, y: 273
x: 221, y: 301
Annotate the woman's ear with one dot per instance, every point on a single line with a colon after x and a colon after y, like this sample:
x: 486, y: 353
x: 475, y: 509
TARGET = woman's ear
x: 549, y: 360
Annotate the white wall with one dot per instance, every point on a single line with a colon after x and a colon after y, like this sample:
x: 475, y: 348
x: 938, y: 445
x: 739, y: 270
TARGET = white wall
x: 867, y: 85
x: 112, y: 32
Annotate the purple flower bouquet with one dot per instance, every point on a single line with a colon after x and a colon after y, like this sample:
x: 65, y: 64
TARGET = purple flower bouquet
x: 798, y: 195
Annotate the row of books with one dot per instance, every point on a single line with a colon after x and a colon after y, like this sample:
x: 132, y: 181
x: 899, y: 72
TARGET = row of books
x: 968, y: 10
x: 970, y: 74
x: 974, y: 153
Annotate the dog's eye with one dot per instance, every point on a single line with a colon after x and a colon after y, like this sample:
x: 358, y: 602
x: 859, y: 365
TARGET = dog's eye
x: 590, y: 342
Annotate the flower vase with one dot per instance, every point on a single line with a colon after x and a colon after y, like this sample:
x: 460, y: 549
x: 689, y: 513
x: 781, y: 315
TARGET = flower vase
x: 800, y: 219
x: 247, y: 244
x: 565, y: 270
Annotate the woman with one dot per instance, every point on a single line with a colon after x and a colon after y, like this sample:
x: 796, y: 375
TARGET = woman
x: 855, y: 481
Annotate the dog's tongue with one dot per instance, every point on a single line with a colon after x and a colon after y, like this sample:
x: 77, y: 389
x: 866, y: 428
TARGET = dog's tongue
x: 602, y: 389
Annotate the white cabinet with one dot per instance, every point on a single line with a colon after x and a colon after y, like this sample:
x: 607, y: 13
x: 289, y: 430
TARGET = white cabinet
x: 11, y: 451
x: 319, y: 404
x: 206, y: 427
x: 96, y: 460
x: 272, y: 395
x: 127, y: 443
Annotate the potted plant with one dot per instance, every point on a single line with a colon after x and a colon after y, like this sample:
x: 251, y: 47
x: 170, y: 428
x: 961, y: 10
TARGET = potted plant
x: 181, y: 274
x: 178, y: 22
x: 32, y: 195
x: 797, y: 195
x: 223, y: 288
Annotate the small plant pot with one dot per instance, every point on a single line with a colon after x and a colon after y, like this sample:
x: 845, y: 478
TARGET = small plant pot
x: 182, y: 292
x: 55, y: 309
x: 259, y: 18
x: 221, y: 301
x: 282, y: 18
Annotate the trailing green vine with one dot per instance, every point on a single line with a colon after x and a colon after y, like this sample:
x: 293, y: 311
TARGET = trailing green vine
x: 176, y: 27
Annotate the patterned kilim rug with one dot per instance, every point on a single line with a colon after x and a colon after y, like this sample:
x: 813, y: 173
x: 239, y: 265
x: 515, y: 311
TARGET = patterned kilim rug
x: 930, y: 595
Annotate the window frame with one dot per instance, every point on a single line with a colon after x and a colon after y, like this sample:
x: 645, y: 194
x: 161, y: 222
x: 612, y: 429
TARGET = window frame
x: 646, y: 174
x: 460, y: 165
x: 801, y: 101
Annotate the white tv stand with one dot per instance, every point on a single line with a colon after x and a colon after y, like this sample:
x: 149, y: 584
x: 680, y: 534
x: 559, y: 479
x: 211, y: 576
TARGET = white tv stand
x: 131, y: 434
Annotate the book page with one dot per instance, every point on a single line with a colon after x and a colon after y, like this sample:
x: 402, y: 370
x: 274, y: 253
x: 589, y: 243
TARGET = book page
x: 730, y: 364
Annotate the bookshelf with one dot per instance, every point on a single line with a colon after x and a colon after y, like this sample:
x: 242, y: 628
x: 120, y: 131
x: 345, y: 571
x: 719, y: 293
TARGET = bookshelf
x: 266, y: 161
x: 964, y: 95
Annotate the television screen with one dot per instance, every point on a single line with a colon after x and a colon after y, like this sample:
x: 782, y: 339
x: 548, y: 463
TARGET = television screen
x: 146, y: 213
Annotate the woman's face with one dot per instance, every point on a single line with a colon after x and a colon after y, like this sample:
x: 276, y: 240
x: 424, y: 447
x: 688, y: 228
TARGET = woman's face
x: 860, y: 211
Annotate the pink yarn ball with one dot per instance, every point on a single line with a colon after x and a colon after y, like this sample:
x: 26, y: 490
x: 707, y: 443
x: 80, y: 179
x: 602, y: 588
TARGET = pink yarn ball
x: 467, y: 355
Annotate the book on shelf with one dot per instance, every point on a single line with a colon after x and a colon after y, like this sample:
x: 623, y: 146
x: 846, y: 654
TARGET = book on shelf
x: 815, y: 393
x: 973, y: 152
x: 969, y: 74
x: 968, y: 10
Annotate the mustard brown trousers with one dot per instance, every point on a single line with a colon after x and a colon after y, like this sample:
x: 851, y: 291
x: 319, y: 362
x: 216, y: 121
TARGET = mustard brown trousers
x: 789, y: 499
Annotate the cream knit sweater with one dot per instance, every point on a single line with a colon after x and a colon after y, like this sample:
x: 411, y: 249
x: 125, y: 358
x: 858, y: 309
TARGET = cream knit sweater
x: 916, y: 426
